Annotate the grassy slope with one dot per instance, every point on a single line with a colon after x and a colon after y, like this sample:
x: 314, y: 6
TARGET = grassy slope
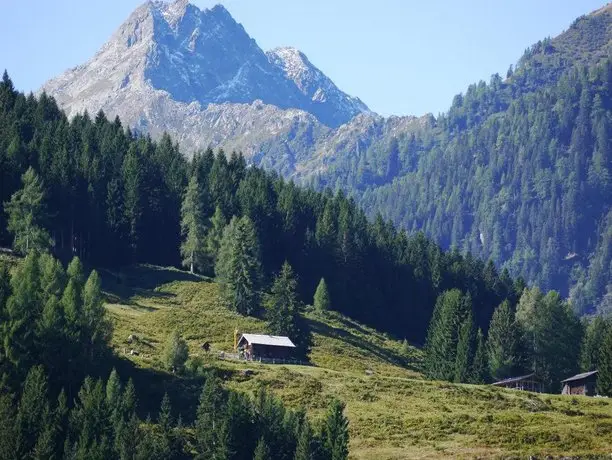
x: 393, y: 412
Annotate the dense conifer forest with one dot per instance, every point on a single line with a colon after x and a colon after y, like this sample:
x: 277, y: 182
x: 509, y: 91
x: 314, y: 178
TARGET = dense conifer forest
x: 112, y: 197
x: 519, y: 170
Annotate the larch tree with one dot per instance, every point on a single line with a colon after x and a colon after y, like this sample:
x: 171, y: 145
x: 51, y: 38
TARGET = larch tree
x: 322, y: 301
x: 26, y: 215
x: 193, y: 227
x: 214, y: 236
x: 504, y: 343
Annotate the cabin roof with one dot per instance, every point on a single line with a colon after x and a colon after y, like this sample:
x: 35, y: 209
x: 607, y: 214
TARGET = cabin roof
x: 584, y: 375
x: 514, y: 379
x: 271, y: 340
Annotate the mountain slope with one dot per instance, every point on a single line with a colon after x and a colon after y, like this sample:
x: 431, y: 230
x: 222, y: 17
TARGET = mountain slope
x: 519, y: 170
x: 433, y: 420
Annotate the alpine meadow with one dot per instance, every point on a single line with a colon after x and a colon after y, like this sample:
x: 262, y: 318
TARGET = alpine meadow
x: 210, y: 251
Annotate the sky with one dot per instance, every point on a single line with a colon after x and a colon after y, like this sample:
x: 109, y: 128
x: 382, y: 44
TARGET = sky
x: 401, y: 57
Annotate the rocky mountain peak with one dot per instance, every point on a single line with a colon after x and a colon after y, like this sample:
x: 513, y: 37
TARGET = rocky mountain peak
x: 198, y: 56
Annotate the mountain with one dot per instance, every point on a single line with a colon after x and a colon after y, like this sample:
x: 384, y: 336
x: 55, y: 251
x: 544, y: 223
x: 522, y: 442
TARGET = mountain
x: 173, y: 67
x: 517, y: 171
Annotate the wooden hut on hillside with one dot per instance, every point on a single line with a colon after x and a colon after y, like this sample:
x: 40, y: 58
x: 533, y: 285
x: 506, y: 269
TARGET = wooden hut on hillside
x: 265, y: 346
x: 527, y: 382
x: 581, y: 384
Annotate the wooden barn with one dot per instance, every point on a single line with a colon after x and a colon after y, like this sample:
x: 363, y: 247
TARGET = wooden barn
x: 581, y: 384
x: 265, y: 346
x: 527, y: 382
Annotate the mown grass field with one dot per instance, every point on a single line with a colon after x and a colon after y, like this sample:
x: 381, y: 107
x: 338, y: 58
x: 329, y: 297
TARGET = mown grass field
x: 393, y: 412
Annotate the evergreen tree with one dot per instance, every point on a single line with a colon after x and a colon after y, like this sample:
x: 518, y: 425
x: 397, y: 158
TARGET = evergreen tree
x: 322, y: 301
x: 209, y: 417
x: 175, y: 353
x: 261, y: 451
x: 33, y: 415
x: 305, y: 449
x: 443, y: 334
x: 480, y: 367
x: 27, y: 213
x: 504, y: 343
x: 592, y: 350
x: 283, y: 311
x: 335, y: 434
x: 193, y: 226
x: 218, y: 222
x: 465, y: 350
x: 238, y: 266
x: 96, y: 329
x: 604, y: 376
x: 232, y: 443
x: 22, y: 310
x: 8, y: 429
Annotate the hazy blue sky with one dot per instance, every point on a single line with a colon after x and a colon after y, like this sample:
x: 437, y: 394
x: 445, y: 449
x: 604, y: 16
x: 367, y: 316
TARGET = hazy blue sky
x: 399, y: 56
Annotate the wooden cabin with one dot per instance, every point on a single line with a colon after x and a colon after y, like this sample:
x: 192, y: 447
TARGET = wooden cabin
x: 581, y: 384
x: 527, y: 382
x: 255, y: 346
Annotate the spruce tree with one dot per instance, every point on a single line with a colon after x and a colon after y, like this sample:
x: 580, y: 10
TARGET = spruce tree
x: 322, y: 300
x: 591, y: 351
x: 305, y: 449
x: 239, y: 266
x: 283, y: 310
x: 335, y: 434
x: 604, y: 376
x: 480, y: 366
x: 449, y: 313
x: 26, y: 212
x: 261, y: 451
x: 209, y: 417
x: 8, y: 429
x: 504, y: 343
x: 465, y: 351
x: 193, y: 226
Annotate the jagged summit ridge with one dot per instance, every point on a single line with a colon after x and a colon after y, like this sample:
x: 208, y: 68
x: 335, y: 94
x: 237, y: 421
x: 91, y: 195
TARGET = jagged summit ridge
x: 195, y: 56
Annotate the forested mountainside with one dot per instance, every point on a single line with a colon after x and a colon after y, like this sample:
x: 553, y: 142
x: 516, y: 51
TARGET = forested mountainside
x: 114, y: 198
x: 92, y: 191
x: 518, y: 171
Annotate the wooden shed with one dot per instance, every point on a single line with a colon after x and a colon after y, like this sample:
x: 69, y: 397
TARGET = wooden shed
x: 265, y: 346
x: 581, y: 384
x: 527, y: 382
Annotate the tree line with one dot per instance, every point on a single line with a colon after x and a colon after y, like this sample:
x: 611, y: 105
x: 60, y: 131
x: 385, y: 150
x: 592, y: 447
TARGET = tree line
x: 539, y: 334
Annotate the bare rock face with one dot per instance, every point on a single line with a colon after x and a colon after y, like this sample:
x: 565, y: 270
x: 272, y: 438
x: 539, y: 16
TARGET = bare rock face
x: 199, y: 76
